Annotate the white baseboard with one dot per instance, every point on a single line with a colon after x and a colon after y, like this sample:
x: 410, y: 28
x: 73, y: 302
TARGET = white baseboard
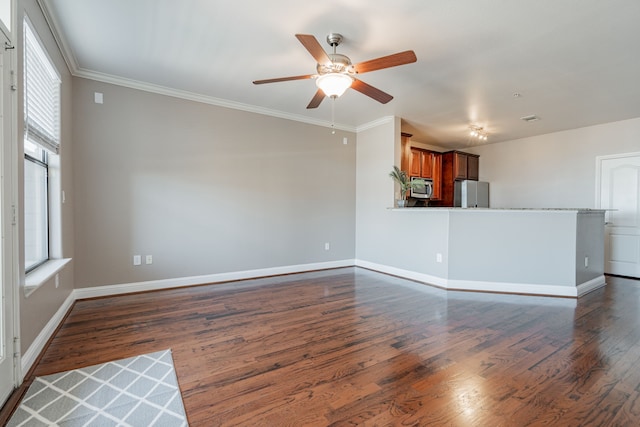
x: 31, y: 355
x: 153, y: 285
x: 513, y: 288
x: 591, y: 285
x: 486, y: 286
x: 34, y: 350
x: 405, y: 274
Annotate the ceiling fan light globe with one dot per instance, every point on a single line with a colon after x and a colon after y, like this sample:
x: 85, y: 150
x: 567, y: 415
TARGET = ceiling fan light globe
x: 334, y: 84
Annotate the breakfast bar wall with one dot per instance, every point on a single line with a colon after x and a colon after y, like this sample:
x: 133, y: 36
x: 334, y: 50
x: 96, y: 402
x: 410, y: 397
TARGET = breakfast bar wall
x: 556, y: 252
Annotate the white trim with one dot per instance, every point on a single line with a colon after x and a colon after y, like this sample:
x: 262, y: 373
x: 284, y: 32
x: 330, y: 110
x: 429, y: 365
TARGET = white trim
x: 54, y: 25
x: 375, y: 123
x: 9, y: 289
x: 152, y: 285
x: 591, y: 285
x: 484, y: 286
x: 405, y: 274
x: 196, y: 97
x: 31, y: 355
x: 36, y: 347
x: 76, y: 70
x: 513, y: 288
x: 40, y: 275
x: 34, y: 350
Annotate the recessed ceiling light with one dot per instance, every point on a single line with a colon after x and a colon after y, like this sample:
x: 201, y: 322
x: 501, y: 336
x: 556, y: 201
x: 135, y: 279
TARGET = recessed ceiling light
x: 531, y: 118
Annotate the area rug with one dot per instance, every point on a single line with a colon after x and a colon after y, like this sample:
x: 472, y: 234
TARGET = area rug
x: 138, y: 391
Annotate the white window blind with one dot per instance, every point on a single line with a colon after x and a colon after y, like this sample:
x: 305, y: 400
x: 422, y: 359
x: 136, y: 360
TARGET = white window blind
x: 41, y: 94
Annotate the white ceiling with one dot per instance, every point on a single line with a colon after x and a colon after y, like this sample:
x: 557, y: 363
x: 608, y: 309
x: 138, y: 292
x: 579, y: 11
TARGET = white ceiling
x: 575, y: 62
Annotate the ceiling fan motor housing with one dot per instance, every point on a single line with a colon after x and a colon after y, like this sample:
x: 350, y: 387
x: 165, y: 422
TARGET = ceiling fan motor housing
x: 334, y: 39
x: 339, y: 64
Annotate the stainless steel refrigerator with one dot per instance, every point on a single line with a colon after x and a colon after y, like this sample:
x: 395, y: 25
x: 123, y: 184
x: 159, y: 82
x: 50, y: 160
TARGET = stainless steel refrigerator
x: 471, y: 194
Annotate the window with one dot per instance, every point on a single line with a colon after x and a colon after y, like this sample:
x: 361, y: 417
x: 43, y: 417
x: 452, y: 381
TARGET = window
x: 41, y: 145
x: 5, y: 15
x: 36, y: 206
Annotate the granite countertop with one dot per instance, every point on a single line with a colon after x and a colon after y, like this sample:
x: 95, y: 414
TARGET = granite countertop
x: 499, y: 209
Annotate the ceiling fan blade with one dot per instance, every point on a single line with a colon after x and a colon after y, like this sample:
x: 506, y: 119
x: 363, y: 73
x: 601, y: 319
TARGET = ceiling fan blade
x: 317, y: 99
x: 283, y: 79
x: 311, y: 44
x: 371, y: 91
x: 394, y: 60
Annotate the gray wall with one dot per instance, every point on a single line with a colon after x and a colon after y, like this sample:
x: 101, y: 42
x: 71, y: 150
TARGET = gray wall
x: 532, y: 247
x: 557, y: 170
x: 406, y: 241
x: 206, y: 189
x: 590, y: 245
x: 400, y: 239
x: 203, y: 189
x: 37, y: 309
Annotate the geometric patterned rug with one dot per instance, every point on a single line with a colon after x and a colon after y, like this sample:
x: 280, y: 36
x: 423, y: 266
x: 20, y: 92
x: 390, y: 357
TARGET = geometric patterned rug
x: 136, y: 392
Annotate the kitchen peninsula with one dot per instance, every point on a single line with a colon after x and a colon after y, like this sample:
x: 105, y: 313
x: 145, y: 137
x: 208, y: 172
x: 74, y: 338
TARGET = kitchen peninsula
x: 558, y: 252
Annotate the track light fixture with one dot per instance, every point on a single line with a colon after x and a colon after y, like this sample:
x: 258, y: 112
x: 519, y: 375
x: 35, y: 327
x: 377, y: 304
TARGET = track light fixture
x: 478, y: 132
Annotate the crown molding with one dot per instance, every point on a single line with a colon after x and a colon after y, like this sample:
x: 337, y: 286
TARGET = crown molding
x: 375, y: 123
x: 77, y: 71
x: 54, y: 26
x: 196, y: 97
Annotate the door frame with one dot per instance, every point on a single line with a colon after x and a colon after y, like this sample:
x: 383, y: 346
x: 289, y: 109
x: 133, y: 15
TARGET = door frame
x: 9, y: 216
x: 598, y: 192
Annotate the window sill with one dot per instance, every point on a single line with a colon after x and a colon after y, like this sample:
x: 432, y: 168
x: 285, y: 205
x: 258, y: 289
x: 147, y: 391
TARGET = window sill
x: 40, y: 275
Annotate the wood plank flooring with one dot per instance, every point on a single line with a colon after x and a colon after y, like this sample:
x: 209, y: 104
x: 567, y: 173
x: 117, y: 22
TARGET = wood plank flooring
x: 353, y: 347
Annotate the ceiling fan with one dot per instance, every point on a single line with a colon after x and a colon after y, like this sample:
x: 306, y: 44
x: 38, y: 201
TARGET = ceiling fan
x: 336, y: 73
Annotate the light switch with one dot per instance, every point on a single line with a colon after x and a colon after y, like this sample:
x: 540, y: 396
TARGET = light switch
x: 98, y: 98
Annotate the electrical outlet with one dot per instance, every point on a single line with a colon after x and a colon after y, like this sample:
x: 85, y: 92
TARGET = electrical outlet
x: 438, y: 257
x: 149, y: 259
x: 137, y: 260
x: 327, y: 246
x: 586, y: 261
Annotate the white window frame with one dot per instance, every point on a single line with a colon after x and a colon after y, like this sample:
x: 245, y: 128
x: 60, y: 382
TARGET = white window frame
x: 42, y: 127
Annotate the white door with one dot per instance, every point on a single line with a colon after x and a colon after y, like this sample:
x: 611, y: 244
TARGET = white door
x: 8, y: 378
x: 619, y: 187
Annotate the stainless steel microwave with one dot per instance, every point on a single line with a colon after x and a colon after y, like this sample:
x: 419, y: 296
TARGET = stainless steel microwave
x: 421, y: 188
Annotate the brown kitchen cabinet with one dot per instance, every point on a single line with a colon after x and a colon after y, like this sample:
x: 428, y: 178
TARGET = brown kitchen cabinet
x: 465, y: 165
x: 437, y: 177
x: 422, y: 163
x: 457, y: 166
x: 473, y: 167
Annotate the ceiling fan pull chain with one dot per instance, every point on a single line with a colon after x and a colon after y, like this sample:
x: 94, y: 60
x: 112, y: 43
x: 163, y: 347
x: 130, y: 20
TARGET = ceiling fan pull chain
x: 333, y: 115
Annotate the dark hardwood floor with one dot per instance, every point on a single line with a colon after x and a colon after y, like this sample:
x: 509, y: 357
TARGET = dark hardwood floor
x: 354, y: 347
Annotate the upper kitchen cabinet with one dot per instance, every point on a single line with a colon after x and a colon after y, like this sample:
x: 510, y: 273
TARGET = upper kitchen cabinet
x: 464, y: 165
x: 473, y: 167
x: 437, y: 176
x: 420, y: 163
x: 456, y: 166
